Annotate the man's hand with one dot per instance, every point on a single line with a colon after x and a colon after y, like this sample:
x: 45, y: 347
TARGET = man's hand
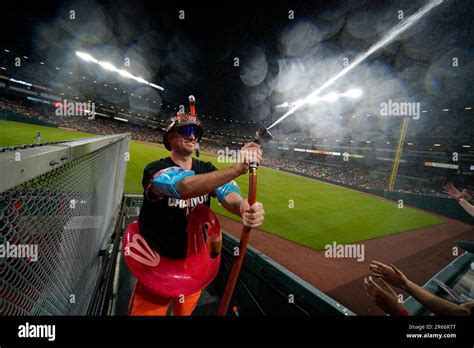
x: 453, y: 192
x: 383, y: 296
x: 389, y: 273
x: 252, y: 216
x: 250, y: 152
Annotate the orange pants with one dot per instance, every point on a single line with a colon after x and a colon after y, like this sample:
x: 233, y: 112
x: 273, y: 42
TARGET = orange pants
x: 146, y: 302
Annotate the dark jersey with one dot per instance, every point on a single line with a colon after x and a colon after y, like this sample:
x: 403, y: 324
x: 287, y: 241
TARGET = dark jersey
x: 163, y: 221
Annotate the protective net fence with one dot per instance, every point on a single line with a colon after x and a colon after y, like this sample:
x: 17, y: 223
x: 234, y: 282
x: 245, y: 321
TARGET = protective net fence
x: 52, y: 229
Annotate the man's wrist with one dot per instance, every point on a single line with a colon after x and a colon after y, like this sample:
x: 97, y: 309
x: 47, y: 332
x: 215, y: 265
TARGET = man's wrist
x: 235, y: 171
x: 240, y: 206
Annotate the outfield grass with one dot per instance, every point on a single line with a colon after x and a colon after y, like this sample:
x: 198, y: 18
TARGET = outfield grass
x: 322, y: 212
x: 15, y: 133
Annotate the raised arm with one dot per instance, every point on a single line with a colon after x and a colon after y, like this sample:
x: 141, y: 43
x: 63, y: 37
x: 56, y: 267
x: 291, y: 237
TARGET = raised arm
x: 467, y: 206
x: 435, y: 304
x: 197, y: 185
x: 460, y: 197
x: 179, y: 183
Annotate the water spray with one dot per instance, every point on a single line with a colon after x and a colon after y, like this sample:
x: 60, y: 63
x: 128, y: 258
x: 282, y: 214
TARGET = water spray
x: 384, y: 41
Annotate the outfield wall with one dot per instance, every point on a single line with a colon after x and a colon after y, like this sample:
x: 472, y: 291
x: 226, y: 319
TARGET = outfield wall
x: 439, y: 205
x: 265, y: 287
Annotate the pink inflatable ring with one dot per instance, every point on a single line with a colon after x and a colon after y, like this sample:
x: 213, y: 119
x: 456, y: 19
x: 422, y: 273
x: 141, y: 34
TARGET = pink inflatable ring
x: 176, y: 277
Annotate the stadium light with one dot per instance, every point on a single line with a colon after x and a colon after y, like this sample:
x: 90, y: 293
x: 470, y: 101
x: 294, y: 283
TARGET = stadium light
x: 110, y: 67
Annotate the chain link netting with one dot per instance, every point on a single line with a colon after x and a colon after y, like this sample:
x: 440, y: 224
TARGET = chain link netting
x: 65, y: 215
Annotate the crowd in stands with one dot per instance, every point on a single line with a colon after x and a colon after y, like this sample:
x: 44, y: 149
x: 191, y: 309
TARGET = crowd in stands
x: 25, y: 109
x: 211, y: 147
x: 107, y: 127
x: 96, y: 125
x: 357, y: 176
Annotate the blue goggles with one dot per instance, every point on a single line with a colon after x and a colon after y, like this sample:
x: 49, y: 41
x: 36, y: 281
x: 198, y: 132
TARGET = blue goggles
x: 188, y: 130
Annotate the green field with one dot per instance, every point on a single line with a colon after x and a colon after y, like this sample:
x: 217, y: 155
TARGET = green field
x: 320, y: 214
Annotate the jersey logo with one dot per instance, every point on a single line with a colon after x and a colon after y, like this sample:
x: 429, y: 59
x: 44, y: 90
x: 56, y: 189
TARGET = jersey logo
x: 182, y: 203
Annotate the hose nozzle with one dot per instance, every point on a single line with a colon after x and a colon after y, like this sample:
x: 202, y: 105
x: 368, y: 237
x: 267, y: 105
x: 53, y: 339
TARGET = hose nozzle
x: 263, y: 136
